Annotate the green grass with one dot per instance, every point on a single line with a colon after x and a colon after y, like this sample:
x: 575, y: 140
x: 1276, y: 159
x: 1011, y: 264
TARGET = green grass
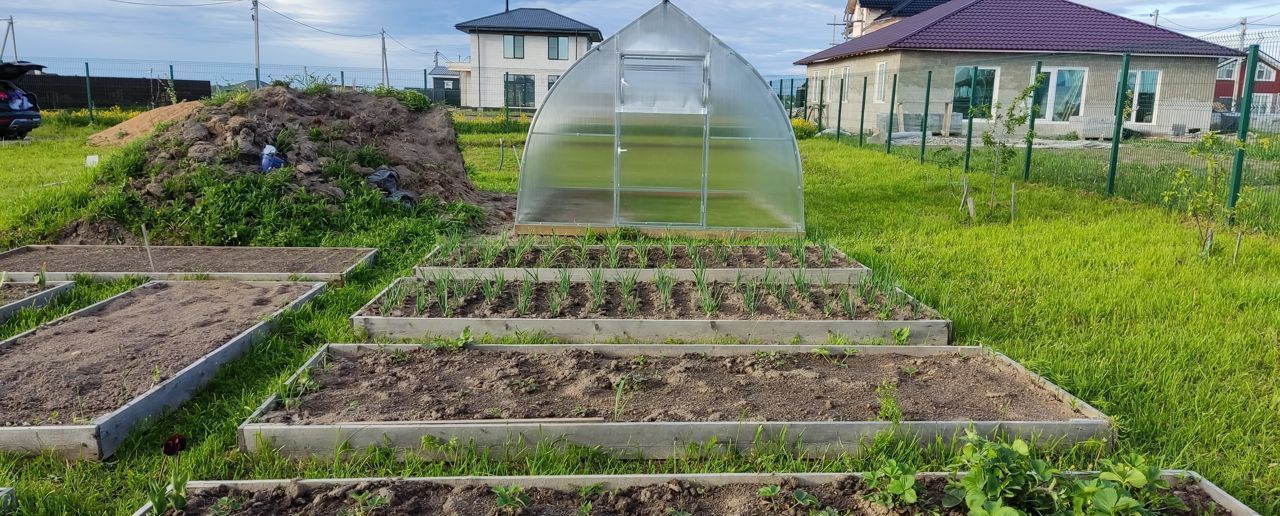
x: 1107, y: 298
x: 49, y: 168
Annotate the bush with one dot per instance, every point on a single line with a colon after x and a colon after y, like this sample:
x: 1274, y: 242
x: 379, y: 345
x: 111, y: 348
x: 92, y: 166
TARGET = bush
x: 80, y: 117
x: 804, y: 129
x: 412, y: 99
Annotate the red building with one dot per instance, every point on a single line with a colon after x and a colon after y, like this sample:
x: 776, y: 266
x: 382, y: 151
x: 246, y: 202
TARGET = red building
x: 1266, y: 86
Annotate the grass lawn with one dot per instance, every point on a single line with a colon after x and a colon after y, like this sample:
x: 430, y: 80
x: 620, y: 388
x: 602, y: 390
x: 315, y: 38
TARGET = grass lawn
x: 1107, y: 298
x: 51, y: 166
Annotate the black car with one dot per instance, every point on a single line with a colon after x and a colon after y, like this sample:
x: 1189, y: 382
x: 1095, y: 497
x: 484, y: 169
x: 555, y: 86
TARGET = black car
x: 19, y: 110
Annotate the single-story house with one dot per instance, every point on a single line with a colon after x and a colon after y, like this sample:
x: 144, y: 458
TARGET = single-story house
x: 518, y: 54
x: 1171, y: 76
x: 1266, y: 85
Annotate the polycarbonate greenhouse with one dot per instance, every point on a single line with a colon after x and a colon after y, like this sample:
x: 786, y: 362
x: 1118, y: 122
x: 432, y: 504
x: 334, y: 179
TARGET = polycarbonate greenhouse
x: 661, y: 127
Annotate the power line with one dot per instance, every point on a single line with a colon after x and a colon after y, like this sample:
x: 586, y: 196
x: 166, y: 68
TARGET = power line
x: 407, y: 47
x: 149, y: 4
x: 313, y: 27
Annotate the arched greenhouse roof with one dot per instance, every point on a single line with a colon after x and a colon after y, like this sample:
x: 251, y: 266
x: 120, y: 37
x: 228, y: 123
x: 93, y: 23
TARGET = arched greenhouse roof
x: 661, y: 127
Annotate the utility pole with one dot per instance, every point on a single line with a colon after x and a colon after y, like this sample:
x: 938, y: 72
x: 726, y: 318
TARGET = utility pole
x: 1156, y: 15
x: 835, y: 22
x: 1235, y: 89
x: 9, y: 33
x: 257, y: 64
x: 386, y: 79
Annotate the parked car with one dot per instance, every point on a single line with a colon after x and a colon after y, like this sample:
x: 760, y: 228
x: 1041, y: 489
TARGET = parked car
x: 19, y: 110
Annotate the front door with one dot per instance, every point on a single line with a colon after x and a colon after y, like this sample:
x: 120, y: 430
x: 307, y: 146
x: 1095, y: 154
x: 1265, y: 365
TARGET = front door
x: 661, y: 140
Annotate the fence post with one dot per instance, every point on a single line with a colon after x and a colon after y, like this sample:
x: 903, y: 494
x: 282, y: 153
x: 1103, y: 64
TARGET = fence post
x: 780, y: 90
x: 1118, y: 131
x: 840, y: 112
x: 171, y: 75
x: 973, y: 97
x: 426, y: 82
x: 88, y: 91
x: 342, y: 78
x: 924, y: 120
x: 822, y: 96
x: 893, y: 99
x: 1031, y: 124
x: 791, y: 108
x: 1242, y: 132
x: 862, y: 118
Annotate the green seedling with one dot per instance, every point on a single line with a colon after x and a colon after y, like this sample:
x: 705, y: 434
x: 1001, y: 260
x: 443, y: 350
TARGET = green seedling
x: 902, y: 335
x: 627, y: 289
x: 893, y: 485
x: 510, y: 499
x: 751, y: 296
x: 524, y: 298
x: 664, y: 283
x: 890, y: 410
x: 597, y: 289
x: 805, y: 499
x: 769, y: 493
x: 366, y: 503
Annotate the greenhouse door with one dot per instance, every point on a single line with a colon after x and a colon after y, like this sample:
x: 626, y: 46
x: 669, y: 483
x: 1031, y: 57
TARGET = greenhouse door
x: 662, y: 124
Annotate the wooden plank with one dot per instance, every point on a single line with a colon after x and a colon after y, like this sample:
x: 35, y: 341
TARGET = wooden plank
x: 103, y: 435
x: 29, y: 276
x: 923, y: 332
x: 842, y: 275
x: 36, y: 300
x: 114, y: 427
x: 615, y: 482
x: 657, y: 440
x: 660, y: 232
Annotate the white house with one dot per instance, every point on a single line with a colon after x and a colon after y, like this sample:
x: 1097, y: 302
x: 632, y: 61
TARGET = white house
x: 516, y: 56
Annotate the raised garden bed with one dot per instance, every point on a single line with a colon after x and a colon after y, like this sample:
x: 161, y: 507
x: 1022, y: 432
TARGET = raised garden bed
x: 78, y: 384
x: 62, y: 262
x: 700, y: 494
x: 15, y: 296
x: 715, y: 262
x: 663, y: 310
x: 653, y: 401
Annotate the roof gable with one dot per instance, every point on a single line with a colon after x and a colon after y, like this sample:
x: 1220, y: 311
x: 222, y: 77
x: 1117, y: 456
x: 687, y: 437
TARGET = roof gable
x: 908, y: 8
x: 529, y: 19
x: 1022, y: 26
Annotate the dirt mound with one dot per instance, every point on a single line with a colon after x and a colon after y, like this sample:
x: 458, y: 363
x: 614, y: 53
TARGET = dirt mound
x: 131, y: 129
x: 321, y: 135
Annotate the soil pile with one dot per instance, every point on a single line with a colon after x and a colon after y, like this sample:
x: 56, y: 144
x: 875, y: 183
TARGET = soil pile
x: 140, y: 125
x: 318, y: 133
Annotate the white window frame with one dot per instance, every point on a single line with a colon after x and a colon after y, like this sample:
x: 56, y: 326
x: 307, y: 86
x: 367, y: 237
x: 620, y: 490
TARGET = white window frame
x: 1265, y: 73
x: 1155, y: 106
x: 1270, y: 101
x: 1052, y: 71
x: 560, y: 50
x: 882, y: 76
x: 844, y: 86
x: 995, y: 86
x: 1230, y: 70
x: 831, y: 72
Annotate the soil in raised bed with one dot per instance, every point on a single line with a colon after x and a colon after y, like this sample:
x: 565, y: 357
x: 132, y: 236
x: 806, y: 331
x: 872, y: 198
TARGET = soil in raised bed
x: 75, y: 370
x: 650, y: 257
x: 10, y: 292
x: 435, y: 384
x: 848, y: 495
x: 466, y: 298
x: 182, y: 259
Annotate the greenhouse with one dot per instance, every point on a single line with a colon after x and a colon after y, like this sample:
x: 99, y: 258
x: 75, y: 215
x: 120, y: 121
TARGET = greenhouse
x: 664, y: 128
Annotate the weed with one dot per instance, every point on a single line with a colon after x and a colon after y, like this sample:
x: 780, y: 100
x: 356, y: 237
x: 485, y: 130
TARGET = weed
x: 890, y: 410
x: 366, y: 503
x: 902, y: 335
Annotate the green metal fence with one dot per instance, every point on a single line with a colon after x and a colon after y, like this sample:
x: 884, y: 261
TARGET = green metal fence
x: 1138, y: 127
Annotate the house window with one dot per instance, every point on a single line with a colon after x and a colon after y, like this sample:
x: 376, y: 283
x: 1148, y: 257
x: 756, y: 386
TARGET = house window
x: 448, y: 85
x: 882, y: 75
x: 844, y: 86
x: 551, y: 81
x: 1227, y: 70
x: 1265, y: 73
x: 982, y: 89
x: 1061, y: 94
x: 557, y: 48
x: 1263, y: 103
x: 1142, y: 88
x: 519, y: 90
x: 513, y: 47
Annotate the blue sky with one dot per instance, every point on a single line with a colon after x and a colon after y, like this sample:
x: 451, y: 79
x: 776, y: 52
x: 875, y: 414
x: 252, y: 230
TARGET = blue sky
x: 770, y: 33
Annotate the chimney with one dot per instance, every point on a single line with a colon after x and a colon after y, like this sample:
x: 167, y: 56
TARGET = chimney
x: 508, y: 5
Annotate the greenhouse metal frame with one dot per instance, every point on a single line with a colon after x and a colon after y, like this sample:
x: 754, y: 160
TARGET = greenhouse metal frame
x: 662, y: 128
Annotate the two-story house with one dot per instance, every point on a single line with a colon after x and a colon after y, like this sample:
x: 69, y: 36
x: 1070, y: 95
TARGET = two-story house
x: 864, y: 16
x: 518, y: 54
